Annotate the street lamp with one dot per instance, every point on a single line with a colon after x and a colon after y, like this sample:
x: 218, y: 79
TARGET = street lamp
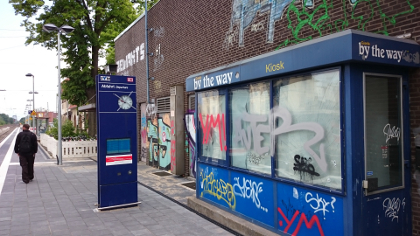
x: 65, y: 29
x: 33, y: 96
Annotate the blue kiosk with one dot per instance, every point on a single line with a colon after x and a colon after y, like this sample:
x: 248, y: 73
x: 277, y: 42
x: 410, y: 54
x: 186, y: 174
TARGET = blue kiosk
x: 117, y: 141
x: 312, y: 139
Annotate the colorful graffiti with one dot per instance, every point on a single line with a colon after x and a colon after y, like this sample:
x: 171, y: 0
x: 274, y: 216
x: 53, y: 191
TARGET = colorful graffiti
x: 144, y: 142
x: 304, y: 15
x: 219, y: 122
x: 217, y: 188
x: 299, y: 211
x: 303, y: 219
x: 159, y: 137
x: 173, y: 145
x: 191, y: 135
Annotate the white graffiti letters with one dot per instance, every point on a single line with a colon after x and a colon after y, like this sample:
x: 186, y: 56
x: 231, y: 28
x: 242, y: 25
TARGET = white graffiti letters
x: 319, y: 203
x: 390, y: 133
x: 248, y: 189
x: 392, y: 207
x: 244, y: 136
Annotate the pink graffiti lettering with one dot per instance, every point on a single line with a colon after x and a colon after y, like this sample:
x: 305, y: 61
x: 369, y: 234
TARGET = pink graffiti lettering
x: 314, y: 219
x: 220, y: 122
x: 144, y: 136
x: 173, y: 144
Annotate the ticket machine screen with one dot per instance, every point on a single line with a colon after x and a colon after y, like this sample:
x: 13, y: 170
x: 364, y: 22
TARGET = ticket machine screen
x: 118, y: 146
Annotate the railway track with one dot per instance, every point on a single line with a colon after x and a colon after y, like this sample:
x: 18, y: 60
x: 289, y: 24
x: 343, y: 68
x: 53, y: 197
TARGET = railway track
x: 5, y: 130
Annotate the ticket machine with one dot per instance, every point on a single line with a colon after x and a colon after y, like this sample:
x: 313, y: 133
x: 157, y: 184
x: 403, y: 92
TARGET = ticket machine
x: 117, y: 141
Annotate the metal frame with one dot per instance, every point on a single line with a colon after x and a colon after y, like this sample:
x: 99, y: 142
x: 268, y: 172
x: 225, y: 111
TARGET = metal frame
x: 400, y: 77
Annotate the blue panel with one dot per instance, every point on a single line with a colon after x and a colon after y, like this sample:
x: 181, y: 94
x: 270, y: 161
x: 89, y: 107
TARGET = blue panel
x: 254, y: 197
x: 385, y: 50
x: 116, y: 124
x: 215, y: 79
x: 245, y: 194
x: 213, y: 184
x: 117, y: 194
x: 307, y: 212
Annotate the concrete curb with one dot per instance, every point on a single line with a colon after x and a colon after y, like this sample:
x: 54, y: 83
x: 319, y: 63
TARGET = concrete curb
x: 227, y: 219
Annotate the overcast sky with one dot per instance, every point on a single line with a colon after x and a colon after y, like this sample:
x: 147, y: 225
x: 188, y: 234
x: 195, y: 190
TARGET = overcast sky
x: 17, y: 60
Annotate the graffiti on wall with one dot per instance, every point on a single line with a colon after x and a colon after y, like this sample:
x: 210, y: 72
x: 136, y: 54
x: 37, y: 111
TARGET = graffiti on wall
x: 159, y: 138
x: 392, y: 207
x: 306, y: 14
x: 252, y: 135
x: 391, y: 132
x: 173, y: 145
x: 144, y: 141
x: 217, y: 187
x: 249, y: 189
x: 191, y: 135
x: 304, y: 212
x: 132, y: 58
x: 299, y: 211
x: 214, y: 121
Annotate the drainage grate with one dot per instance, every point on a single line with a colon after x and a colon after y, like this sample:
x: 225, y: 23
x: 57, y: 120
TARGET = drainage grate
x: 161, y: 173
x: 190, y: 185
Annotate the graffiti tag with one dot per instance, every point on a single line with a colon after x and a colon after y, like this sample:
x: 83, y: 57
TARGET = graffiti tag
x: 390, y: 133
x: 218, y: 188
x: 303, y: 166
x: 244, y: 138
x: 219, y: 121
x: 392, y: 207
x: 249, y: 189
x: 320, y: 204
x: 303, y: 219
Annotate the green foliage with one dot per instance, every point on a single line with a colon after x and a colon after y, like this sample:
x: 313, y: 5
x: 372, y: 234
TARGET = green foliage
x: 22, y: 120
x: 96, y: 23
x: 5, y: 119
x: 53, y: 130
x: 67, y: 130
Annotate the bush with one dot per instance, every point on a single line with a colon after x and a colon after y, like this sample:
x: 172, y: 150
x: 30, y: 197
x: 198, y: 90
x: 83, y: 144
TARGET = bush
x: 67, y: 129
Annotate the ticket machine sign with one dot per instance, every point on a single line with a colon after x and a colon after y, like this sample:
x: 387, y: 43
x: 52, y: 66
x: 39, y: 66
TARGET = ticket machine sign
x: 117, y: 140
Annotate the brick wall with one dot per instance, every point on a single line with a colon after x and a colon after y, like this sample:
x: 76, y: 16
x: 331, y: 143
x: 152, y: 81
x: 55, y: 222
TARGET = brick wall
x: 193, y: 37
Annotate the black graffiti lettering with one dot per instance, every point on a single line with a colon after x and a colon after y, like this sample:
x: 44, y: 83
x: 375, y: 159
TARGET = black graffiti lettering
x: 253, y: 158
x: 143, y: 154
x: 303, y: 166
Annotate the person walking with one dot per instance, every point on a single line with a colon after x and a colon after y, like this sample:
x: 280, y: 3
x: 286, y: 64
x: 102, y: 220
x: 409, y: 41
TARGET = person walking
x: 26, y: 147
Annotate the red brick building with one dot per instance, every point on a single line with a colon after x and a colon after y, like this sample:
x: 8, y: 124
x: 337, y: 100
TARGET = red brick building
x: 189, y: 38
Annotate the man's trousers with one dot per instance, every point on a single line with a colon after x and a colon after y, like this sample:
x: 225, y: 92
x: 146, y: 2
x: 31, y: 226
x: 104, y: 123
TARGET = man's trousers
x: 27, y: 164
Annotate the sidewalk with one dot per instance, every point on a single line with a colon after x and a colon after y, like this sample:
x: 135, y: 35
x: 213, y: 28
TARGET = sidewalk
x: 61, y: 201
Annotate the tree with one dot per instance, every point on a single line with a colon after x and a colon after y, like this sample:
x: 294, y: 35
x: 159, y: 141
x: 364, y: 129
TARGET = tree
x: 96, y: 23
x: 5, y: 119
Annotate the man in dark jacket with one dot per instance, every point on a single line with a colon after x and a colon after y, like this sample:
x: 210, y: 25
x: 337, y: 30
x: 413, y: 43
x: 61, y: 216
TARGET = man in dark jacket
x: 26, y: 146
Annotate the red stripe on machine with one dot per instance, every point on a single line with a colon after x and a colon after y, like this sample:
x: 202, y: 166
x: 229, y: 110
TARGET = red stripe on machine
x: 119, y: 160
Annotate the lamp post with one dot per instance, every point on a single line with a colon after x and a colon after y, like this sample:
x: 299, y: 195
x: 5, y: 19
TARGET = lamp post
x: 65, y: 29
x: 33, y: 96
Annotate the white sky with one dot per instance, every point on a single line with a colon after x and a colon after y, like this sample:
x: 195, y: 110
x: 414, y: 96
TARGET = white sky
x: 16, y: 60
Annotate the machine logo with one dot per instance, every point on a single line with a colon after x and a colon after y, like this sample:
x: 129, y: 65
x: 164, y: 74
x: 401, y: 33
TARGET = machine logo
x: 105, y: 78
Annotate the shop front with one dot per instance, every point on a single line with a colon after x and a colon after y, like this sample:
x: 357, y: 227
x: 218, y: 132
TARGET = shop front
x: 312, y: 139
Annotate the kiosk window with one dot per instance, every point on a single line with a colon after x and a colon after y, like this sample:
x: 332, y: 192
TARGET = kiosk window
x: 306, y: 119
x: 212, y: 125
x: 116, y: 146
x: 249, y: 108
x: 383, y: 132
